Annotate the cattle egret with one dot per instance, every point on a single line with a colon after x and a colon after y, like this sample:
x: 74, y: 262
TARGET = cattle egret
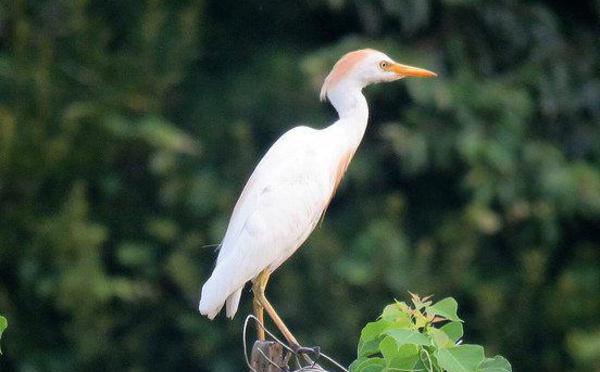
x: 292, y: 185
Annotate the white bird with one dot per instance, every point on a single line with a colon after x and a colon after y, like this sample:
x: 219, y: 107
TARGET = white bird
x: 291, y: 187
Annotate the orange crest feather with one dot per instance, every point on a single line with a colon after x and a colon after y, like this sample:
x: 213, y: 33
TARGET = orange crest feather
x: 341, y: 69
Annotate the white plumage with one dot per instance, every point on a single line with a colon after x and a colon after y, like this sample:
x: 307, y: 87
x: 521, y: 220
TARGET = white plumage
x: 276, y: 212
x: 294, y: 182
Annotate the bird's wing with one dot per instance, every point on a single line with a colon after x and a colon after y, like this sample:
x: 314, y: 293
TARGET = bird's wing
x: 277, y: 210
x: 288, y: 166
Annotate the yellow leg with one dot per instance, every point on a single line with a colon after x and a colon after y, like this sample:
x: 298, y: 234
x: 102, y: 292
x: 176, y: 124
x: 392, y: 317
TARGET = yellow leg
x: 258, y: 288
x: 258, y: 311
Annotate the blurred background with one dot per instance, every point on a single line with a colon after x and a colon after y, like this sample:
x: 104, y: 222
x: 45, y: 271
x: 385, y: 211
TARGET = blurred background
x: 128, y: 128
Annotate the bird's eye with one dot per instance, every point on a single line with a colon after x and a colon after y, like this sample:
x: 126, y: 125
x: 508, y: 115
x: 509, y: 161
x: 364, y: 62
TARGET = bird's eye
x: 383, y: 65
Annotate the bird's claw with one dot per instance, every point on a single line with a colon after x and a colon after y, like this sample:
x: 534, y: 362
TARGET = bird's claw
x: 314, y: 352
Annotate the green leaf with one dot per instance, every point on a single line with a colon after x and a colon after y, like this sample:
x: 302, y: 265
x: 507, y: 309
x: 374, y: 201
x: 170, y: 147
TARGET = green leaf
x: 406, y: 357
x: 394, y: 313
x: 388, y: 347
x: 440, y: 338
x: 420, y: 319
x: 406, y: 336
x: 368, y: 365
x: 426, y: 361
x: 354, y: 365
x: 463, y: 358
x: 495, y: 364
x: 454, y: 330
x: 368, y: 348
x: 373, y: 333
x: 3, y: 325
x: 408, y: 350
x: 446, y: 308
x: 374, y: 329
x: 370, y: 336
x: 391, y: 312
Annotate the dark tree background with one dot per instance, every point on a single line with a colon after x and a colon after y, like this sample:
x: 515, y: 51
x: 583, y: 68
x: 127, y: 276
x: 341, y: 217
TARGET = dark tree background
x: 127, y: 129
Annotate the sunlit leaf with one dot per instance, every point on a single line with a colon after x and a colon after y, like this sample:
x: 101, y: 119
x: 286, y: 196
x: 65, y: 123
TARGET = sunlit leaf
x: 388, y: 347
x: 374, y: 329
x: 406, y: 357
x: 395, y: 313
x: 371, y: 336
x: 440, y: 338
x: 454, y: 330
x: 405, y: 336
x: 446, y: 308
x: 495, y: 364
x: 368, y: 365
x: 420, y: 319
x: 367, y: 348
x: 463, y: 358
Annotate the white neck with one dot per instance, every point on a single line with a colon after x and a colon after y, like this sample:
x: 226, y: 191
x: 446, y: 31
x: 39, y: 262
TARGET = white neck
x: 352, y: 108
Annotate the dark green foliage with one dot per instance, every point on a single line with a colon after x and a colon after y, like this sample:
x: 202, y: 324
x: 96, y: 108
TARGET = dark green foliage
x: 128, y: 128
x: 3, y: 326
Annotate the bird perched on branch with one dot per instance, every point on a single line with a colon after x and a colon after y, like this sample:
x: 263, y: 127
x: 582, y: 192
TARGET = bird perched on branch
x: 292, y: 186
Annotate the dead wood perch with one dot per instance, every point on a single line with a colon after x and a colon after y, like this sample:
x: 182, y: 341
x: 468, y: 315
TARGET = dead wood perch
x: 275, y: 356
x: 268, y: 356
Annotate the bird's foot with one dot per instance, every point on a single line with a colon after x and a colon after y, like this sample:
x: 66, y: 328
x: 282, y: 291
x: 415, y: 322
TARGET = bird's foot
x: 313, y: 352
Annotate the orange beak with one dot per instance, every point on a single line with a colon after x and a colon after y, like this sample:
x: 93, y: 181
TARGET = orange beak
x: 409, y: 71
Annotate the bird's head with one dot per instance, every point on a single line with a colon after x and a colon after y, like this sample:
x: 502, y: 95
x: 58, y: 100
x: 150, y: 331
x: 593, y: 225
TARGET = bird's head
x: 367, y: 66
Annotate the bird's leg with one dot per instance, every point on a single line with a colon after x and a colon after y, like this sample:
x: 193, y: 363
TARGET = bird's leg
x: 258, y: 310
x: 258, y: 288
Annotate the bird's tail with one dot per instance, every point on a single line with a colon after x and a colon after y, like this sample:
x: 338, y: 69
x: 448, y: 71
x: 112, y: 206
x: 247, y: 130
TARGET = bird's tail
x: 210, y: 305
x: 229, y: 277
x: 212, y: 297
x: 232, y: 303
x: 223, y: 286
